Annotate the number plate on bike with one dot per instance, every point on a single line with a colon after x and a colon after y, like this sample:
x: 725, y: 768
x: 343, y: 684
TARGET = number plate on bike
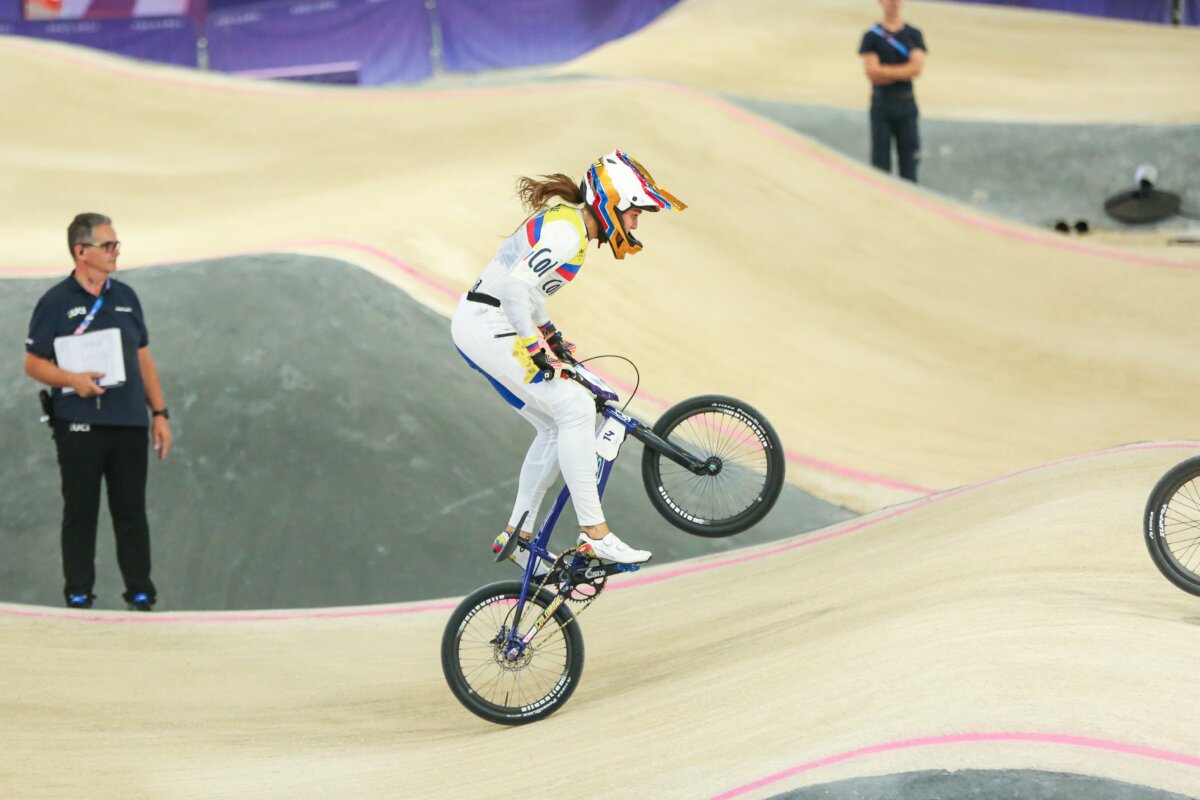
x: 609, y: 439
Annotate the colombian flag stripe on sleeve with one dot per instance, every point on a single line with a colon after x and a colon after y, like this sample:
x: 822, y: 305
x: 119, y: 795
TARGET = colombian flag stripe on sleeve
x: 533, y: 229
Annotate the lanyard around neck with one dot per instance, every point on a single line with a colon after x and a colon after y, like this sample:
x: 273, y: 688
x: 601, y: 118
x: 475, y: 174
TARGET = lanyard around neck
x: 883, y: 32
x: 83, y: 326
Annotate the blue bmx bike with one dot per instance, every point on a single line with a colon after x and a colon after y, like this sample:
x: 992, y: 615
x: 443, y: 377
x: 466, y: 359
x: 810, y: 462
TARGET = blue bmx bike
x: 512, y: 651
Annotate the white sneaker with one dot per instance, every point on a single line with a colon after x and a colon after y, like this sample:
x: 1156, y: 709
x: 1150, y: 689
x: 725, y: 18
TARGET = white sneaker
x: 520, y: 556
x: 611, y: 548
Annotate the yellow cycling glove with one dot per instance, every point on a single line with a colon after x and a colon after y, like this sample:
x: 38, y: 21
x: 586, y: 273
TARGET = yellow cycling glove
x: 532, y: 356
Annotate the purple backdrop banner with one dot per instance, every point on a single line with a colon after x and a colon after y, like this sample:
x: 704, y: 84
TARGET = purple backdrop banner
x: 169, y: 40
x: 486, y: 34
x: 1191, y: 12
x: 10, y: 11
x: 1139, y: 10
x: 376, y: 41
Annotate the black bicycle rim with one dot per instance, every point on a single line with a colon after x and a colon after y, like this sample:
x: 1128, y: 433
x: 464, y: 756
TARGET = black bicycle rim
x: 503, y: 691
x: 1174, y: 535
x: 735, y: 494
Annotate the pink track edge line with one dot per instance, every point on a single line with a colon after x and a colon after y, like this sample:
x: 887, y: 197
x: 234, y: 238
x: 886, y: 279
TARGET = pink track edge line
x: 447, y: 291
x: 627, y: 583
x: 966, y: 738
x: 433, y: 283
x: 134, y: 618
x: 909, y: 507
x: 792, y: 141
x: 787, y: 138
x: 164, y: 74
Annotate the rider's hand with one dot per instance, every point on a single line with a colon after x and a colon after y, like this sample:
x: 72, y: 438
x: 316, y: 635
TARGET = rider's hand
x: 160, y: 431
x: 86, y: 384
x: 534, y: 358
x: 564, y: 350
x: 561, y: 347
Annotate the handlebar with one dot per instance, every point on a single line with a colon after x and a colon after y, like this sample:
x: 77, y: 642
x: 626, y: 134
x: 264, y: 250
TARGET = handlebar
x: 590, y: 381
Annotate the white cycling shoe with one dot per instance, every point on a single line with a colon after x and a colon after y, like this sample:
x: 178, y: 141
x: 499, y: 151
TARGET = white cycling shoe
x: 520, y: 556
x: 611, y: 548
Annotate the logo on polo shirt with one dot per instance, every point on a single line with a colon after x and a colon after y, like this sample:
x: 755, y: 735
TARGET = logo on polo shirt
x: 80, y: 427
x: 126, y: 309
x: 76, y: 311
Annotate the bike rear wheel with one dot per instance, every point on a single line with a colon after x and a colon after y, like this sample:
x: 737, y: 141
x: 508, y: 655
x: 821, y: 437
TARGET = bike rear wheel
x: 503, y: 690
x: 746, y: 452
x: 1172, y: 525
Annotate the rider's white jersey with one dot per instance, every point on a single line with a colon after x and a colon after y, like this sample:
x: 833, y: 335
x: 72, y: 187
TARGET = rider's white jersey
x: 534, y: 263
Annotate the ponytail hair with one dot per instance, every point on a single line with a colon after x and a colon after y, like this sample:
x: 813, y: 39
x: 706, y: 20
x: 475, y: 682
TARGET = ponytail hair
x: 535, y: 194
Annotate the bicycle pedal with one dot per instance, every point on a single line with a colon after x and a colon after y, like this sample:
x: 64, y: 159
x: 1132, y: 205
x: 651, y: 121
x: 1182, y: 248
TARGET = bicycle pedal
x: 505, y: 549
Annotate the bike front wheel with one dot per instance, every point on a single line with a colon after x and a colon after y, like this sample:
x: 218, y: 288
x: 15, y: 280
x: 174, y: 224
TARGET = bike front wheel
x: 745, y: 455
x: 1172, y: 525
x: 491, y: 683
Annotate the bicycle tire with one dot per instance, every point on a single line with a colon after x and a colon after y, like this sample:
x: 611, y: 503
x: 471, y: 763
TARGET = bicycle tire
x: 502, y: 692
x: 1171, y: 524
x: 751, y: 477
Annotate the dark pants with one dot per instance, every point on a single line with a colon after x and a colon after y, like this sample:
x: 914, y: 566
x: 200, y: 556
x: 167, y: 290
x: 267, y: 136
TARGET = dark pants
x: 895, y: 119
x: 119, y: 456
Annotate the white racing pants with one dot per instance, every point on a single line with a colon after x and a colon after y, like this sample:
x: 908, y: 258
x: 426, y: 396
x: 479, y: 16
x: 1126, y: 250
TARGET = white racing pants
x: 562, y: 412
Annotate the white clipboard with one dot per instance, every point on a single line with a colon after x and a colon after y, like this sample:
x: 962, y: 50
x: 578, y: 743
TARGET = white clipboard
x: 97, y: 351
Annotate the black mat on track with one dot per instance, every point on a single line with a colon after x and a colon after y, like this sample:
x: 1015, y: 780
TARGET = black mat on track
x: 331, y: 449
x: 977, y: 784
x: 1033, y: 173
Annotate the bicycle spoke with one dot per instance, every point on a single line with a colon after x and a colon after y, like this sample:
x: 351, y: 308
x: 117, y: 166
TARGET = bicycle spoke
x: 1180, y: 533
x: 1190, y: 490
x: 725, y: 495
x: 524, y: 681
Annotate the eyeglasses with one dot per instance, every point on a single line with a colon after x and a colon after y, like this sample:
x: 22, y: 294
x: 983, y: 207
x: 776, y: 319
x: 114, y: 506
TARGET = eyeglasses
x: 108, y: 247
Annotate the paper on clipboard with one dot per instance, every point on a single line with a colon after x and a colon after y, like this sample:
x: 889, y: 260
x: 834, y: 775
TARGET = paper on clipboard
x: 96, y: 351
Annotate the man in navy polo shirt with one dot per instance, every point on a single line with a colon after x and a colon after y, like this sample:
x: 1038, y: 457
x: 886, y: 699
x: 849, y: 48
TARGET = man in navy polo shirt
x: 100, y: 433
x: 893, y: 54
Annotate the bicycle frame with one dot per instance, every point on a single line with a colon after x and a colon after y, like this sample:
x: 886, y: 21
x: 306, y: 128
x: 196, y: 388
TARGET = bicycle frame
x: 609, y: 436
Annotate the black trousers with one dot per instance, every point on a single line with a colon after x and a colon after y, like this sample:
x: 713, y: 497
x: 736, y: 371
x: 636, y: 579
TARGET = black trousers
x: 895, y: 119
x: 119, y: 456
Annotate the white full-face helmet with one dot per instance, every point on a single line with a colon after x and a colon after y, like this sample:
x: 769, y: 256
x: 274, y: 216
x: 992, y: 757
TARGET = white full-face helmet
x: 616, y: 183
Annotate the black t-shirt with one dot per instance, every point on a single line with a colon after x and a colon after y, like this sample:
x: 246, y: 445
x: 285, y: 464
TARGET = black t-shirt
x: 883, y: 42
x: 59, y: 313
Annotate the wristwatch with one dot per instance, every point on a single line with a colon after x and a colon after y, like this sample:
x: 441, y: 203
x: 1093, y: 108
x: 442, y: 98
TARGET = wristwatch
x: 162, y: 412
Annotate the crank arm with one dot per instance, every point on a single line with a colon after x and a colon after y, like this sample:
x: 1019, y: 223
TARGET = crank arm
x: 586, y: 574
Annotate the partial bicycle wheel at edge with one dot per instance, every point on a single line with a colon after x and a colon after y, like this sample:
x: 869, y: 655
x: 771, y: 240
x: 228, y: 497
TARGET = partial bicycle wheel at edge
x: 732, y: 435
x: 1172, y: 525
x: 511, y: 692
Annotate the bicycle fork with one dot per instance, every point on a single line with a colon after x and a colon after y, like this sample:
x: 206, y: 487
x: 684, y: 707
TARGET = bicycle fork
x: 617, y: 420
x: 544, y: 617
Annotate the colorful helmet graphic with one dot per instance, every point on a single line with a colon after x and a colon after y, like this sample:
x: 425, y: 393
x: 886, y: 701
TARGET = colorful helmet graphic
x: 614, y: 184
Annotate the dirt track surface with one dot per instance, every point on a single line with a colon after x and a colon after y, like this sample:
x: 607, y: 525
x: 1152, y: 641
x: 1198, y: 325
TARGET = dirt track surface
x: 910, y: 351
